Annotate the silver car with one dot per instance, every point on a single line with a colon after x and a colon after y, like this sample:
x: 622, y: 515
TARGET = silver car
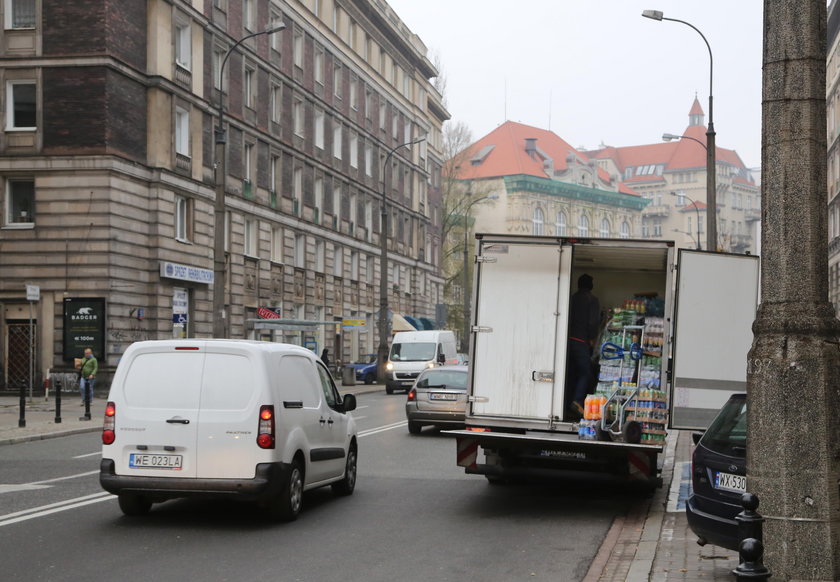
x: 438, y: 397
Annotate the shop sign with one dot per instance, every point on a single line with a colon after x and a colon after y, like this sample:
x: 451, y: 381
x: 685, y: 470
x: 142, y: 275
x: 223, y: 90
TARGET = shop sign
x: 353, y: 323
x: 185, y: 273
x: 268, y: 313
x: 84, y: 326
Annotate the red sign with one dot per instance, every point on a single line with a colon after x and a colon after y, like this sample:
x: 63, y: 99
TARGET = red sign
x: 267, y: 313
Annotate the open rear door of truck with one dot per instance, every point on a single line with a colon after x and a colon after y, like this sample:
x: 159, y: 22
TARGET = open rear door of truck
x: 520, y: 320
x: 716, y: 302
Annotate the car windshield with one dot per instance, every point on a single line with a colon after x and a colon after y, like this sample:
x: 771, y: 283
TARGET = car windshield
x: 413, y: 352
x: 727, y: 434
x: 448, y: 379
x: 367, y: 359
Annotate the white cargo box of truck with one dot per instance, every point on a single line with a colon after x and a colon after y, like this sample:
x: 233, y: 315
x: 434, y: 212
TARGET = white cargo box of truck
x: 517, y: 422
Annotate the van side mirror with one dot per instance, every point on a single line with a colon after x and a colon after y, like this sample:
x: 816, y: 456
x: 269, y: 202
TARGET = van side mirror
x: 441, y: 358
x: 696, y: 436
x: 348, y: 402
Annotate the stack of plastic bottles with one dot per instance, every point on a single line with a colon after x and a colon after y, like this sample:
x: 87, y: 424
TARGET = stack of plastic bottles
x: 593, y: 409
x: 650, y: 409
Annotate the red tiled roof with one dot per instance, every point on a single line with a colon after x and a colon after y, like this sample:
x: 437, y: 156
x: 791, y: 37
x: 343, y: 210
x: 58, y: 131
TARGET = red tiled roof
x: 508, y: 156
x: 698, y: 205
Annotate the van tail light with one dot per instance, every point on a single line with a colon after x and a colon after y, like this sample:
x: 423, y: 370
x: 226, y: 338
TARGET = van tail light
x: 265, y: 434
x: 412, y: 395
x: 108, y: 434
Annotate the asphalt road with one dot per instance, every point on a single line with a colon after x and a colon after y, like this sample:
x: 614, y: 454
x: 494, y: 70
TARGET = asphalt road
x: 414, y: 516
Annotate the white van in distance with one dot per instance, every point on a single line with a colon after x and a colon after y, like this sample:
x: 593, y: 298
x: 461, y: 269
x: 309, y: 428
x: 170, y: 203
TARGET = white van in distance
x: 414, y: 351
x: 257, y: 421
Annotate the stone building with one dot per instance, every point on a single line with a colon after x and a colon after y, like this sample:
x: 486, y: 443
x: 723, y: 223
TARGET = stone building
x: 672, y: 176
x: 107, y: 164
x: 832, y: 99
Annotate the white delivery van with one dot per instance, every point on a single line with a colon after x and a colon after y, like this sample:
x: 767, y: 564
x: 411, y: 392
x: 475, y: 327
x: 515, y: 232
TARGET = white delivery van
x: 414, y: 351
x: 257, y: 421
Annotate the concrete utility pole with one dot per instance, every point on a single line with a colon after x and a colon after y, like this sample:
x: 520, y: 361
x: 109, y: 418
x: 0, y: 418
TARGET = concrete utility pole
x: 793, y: 460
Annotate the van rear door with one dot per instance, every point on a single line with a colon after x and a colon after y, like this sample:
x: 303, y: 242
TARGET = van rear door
x: 716, y: 302
x: 157, y: 412
x: 233, y: 380
x: 519, y: 350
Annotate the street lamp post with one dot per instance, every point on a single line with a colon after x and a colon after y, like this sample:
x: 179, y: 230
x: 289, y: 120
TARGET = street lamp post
x: 220, y: 320
x: 711, y: 167
x: 697, y: 211
x: 382, y: 350
x: 690, y: 234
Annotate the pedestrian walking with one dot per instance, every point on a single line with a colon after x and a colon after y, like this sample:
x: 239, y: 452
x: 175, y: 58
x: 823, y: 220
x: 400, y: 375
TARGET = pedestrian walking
x: 325, y: 357
x: 87, y: 376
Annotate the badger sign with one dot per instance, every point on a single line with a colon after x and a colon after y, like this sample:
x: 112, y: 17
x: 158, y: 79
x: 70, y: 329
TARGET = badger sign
x: 84, y: 326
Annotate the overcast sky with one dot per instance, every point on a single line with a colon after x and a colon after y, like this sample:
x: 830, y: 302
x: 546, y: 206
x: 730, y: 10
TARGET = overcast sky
x: 596, y: 69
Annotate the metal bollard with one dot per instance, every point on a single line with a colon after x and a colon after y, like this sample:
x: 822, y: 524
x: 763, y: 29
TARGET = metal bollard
x: 749, y: 521
x: 58, y: 401
x: 751, y: 548
x: 751, y: 567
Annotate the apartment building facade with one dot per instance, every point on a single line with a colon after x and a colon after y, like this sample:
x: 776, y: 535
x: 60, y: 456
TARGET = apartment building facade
x: 107, y: 162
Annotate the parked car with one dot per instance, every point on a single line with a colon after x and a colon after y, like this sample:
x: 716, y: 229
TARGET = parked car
x: 719, y: 476
x: 365, y: 369
x: 438, y: 397
x: 256, y: 421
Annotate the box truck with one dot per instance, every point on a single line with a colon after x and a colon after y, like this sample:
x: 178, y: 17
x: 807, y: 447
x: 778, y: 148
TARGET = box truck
x: 675, y: 334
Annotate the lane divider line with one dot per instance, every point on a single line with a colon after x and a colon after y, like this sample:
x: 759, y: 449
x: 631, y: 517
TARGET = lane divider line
x: 43, y: 510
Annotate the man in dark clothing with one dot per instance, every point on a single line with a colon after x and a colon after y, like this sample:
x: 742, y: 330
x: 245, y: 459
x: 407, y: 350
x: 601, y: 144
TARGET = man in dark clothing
x: 584, y: 319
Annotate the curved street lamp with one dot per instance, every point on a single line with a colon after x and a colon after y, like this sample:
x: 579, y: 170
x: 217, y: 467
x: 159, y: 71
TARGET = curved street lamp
x: 382, y: 350
x: 694, y: 240
x: 220, y: 320
x: 696, y: 210
x: 711, y: 168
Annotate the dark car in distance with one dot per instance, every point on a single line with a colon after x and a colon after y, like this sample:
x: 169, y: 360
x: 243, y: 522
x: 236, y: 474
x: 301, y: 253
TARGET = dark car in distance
x: 719, y: 476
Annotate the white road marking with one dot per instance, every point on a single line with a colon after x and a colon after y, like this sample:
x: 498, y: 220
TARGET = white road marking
x: 45, y: 510
x: 379, y: 429
x: 22, y: 487
x: 359, y: 417
x: 88, y: 455
x: 360, y: 407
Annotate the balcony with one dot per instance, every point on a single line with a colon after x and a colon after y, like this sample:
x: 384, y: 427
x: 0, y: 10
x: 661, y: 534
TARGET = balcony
x: 752, y: 214
x: 661, y: 210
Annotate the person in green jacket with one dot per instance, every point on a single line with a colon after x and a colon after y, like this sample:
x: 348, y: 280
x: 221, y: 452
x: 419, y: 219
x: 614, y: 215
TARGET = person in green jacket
x: 87, y: 376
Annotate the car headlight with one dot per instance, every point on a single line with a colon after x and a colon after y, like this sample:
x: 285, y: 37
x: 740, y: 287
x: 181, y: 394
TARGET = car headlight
x: 389, y: 366
x: 430, y: 365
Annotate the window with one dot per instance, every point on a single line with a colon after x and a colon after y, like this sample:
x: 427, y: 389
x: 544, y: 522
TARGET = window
x: 319, y: 256
x: 368, y: 101
x: 395, y: 124
x: 680, y: 197
x: 183, y: 45
x: 248, y: 14
x: 300, y: 251
x: 319, y: 128
x: 297, y: 49
x: 407, y: 131
x: 319, y: 66
x: 250, y: 237
x: 354, y: 89
x: 560, y: 224
x: 382, y: 116
x: 274, y: 170
x: 657, y: 228
x: 354, y: 265
x: 182, y: 131
x: 249, y: 88
x: 277, y: 244
x: 583, y: 225
x: 316, y: 8
x: 337, y: 202
x: 337, y: 141
x: 297, y: 193
x: 275, y: 37
x: 183, y: 220
x: 319, y: 198
x: 605, y: 228
x: 218, y: 57
x: 338, y: 261
x: 625, y: 230
x: 297, y: 117
x: 336, y: 19
x: 354, y: 150
x: 368, y: 159
x: 276, y: 103
x: 369, y: 269
x: 247, y: 161
x: 20, y: 14
x: 337, y: 81
x: 20, y: 201
x: 538, y: 221
x: 20, y: 105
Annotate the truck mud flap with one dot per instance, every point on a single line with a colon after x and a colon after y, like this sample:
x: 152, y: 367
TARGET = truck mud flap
x: 467, y: 452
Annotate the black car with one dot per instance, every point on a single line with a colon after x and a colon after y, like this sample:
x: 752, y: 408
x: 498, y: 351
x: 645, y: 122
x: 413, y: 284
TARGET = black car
x: 719, y: 476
